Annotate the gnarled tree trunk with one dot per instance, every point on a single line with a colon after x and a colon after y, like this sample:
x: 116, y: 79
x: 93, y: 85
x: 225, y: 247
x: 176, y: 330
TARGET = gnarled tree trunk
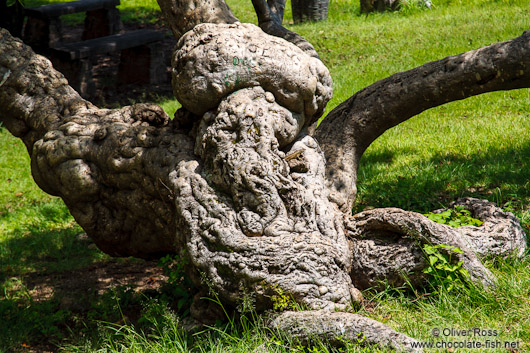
x: 235, y: 183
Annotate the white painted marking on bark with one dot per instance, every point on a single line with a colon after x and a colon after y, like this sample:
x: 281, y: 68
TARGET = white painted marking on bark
x: 5, y: 77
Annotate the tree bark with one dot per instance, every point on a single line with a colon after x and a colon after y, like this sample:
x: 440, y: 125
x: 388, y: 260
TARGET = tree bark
x: 270, y: 17
x: 337, y: 328
x: 309, y: 10
x: 111, y: 167
x: 391, y: 233
x: 350, y: 128
x: 183, y: 15
x: 277, y: 7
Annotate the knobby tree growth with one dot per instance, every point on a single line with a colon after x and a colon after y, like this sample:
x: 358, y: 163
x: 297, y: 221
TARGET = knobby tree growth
x: 240, y: 183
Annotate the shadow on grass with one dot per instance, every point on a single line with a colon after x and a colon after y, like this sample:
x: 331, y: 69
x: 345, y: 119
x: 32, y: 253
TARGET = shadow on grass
x: 499, y: 175
x: 46, y: 251
x: 54, y: 283
x: 68, y: 315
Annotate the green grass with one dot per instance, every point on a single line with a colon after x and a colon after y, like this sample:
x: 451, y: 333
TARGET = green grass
x: 131, y: 11
x: 476, y: 147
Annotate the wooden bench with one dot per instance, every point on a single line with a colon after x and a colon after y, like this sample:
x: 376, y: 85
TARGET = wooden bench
x: 141, y: 59
x: 44, y: 30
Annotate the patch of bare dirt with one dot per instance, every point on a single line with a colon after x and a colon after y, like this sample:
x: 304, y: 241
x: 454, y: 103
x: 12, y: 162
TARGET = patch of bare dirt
x: 96, y: 279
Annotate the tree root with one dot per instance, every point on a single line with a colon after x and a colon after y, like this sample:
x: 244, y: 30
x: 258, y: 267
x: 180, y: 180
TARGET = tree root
x: 337, y: 328
x: 500, y: 235
x: 244, y: 193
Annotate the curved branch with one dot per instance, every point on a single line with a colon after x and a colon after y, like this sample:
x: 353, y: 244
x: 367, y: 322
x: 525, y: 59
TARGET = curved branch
x: 270, y: 16
x: 392, y: 233
x: 183, y: 15
x: 277, y: 7
x: 501, y: 233
x: 399, y: 235
x: 350, y: 128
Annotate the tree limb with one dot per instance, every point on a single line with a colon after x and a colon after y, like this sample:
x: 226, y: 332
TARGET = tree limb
x: 277, y: 7
x: 112, y: 168
x: 183, y: 15
x: 270, y: 21
x: 349, y: 129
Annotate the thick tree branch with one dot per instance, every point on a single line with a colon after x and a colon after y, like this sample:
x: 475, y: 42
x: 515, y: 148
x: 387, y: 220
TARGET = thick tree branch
x: 391, y: 233
x: 183, y: 15
x: 111, y: 167
x: 270, y: 21
x: 350, y: 128
x: 277, y: 7
x: 337, y: 328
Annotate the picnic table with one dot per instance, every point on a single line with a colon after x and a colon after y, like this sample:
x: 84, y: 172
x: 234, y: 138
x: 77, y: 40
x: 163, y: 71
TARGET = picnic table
x: 141, y: 56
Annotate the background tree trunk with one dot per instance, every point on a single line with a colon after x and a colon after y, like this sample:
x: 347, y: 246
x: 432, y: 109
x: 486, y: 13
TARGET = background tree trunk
x: 183, y: 15
x: 309, y: 10
x: 270, y: 17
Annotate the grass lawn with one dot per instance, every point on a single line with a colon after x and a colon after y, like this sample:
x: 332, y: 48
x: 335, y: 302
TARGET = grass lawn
x: 477, y: 147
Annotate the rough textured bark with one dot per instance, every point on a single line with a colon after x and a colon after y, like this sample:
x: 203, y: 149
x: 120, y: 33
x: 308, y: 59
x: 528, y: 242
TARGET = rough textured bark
x: 249, y: 214
x: 399, y: 236
x: 500, y: 235
x: 309, y: 10
x: 132, y: 182
x: 212, y: 61
x: 183, y: 15
x: 233, y: 183
x: 351, y: 127
x: 278, y: 8
x: 270, y: 17
x: 111, y: 167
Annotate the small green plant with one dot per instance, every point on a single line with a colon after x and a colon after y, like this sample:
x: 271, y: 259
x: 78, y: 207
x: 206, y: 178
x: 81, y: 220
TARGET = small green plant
x: 179, y: 285
x: 307, y: 349
x: 441, y: 268
x: 454, y: 217
x: 282, y: 301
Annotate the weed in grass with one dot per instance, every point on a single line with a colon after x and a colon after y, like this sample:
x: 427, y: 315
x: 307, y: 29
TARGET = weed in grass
x: 282, y: 301
x: 179, y: 286
x: 454, y: 217
x: 442, y: 271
